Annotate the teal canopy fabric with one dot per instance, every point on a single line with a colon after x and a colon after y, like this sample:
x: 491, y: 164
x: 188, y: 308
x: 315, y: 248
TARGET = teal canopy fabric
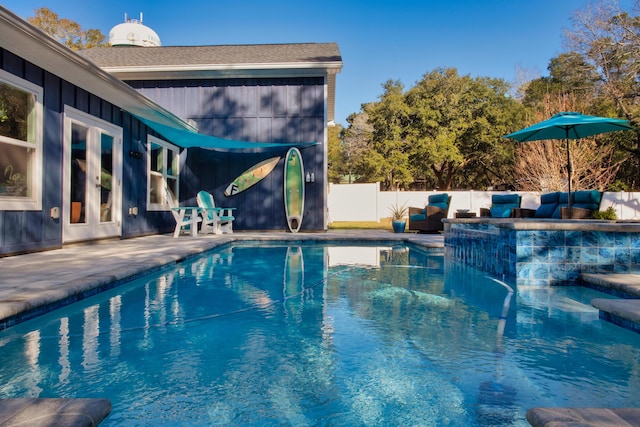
x: 187, y: 139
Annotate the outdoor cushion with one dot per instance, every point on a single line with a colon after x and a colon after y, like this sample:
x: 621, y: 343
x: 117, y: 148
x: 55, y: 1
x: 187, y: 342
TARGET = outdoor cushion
x: 563, y: 202
x: 512, y: 200
x: 546, y: 210
x: 549, y: 198
x: 501, y: 211
x: 439, y: 198
x: 557, y: 212
x: 587, y: 199
x: 563, y: 197
x: 548, y: 205
x: 439, y: 201
x: 418, y: 217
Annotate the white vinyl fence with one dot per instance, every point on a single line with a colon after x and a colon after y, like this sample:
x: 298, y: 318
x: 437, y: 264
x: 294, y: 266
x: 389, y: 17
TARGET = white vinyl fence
x: 365, y: 202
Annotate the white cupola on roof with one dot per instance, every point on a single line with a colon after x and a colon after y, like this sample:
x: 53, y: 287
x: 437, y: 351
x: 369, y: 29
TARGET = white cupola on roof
x: 133, y: 33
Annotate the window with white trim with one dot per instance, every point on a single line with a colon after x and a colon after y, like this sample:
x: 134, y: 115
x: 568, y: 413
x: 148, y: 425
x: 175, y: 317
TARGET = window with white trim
x: 164, y: 170
x: 20, y: 143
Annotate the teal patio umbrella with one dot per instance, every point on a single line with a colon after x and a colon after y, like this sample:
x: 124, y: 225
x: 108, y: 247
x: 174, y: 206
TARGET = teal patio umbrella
x: 569, y: 126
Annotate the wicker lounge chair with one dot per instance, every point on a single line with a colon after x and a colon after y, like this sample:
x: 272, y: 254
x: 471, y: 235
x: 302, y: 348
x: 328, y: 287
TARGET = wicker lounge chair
x: 429, y: 218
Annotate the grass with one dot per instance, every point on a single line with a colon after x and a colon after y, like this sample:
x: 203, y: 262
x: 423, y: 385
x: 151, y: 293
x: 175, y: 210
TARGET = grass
x: 384, y: 224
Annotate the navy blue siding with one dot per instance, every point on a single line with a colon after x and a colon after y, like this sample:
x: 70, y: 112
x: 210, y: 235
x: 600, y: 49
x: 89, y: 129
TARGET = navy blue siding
x: 22, y: 231
x: 261, y: 110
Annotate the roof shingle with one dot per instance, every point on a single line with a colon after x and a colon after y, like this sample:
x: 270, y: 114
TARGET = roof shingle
x: 184, y: 56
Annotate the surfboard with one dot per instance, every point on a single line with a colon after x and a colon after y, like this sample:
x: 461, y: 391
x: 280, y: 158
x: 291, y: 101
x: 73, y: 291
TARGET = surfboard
x: 294, y: 189
x: 251, y: 176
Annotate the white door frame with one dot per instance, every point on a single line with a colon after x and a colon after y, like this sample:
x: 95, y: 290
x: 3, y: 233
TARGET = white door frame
x: 92, y: 226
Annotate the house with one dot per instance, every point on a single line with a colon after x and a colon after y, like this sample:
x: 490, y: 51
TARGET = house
x: 84, y: 154
x: 264, y: 93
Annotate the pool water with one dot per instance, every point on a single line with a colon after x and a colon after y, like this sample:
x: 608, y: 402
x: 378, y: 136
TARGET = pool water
x: 325, y: 335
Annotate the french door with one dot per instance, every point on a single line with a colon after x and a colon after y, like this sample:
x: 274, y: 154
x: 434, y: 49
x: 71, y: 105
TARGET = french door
x: 92, y: 177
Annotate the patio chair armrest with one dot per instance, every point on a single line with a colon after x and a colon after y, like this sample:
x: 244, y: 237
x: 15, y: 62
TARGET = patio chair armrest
x: 434, y: 210
x: 414, y: 211
x: 228, y: 212
x: 485, y: 212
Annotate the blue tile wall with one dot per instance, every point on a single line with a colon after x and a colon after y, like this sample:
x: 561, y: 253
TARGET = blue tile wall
x: 541, y: 257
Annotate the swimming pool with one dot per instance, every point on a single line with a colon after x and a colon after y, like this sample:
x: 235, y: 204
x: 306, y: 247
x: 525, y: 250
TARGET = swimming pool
x: 324, y: 334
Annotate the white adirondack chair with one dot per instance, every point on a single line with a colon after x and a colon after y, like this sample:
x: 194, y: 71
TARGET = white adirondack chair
x: 186, y: 217
x: 215, y: 220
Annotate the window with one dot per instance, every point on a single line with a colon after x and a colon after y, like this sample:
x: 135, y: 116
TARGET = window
x: 164, y: 160
x: 20, y: 143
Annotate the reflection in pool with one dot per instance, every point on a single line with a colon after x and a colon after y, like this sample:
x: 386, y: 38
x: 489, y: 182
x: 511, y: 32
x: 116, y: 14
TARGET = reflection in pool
x: 324, y: 334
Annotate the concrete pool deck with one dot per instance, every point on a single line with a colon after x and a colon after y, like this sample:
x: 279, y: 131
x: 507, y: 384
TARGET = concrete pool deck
x: 35, y: 283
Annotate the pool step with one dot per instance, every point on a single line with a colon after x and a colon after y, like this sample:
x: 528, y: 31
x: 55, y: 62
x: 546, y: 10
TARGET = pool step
x: 617, y: 284
x: 539, y: 417
x: 53, y: 412
x: 625, y: 311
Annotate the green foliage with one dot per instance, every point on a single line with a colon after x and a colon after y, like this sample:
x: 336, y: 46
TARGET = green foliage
x: 446, y: 131
x: 335, y: 155
x: 389, y: 119
x: 569, y: 73
x: 358, y: 165
x: 66, y: 31
x: 609, y: 214
x: 618, y: 185
x: 608, y: 38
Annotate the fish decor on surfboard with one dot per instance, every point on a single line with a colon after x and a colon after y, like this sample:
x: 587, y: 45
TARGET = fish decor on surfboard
x: 251, y: 176
x: 294, y: 189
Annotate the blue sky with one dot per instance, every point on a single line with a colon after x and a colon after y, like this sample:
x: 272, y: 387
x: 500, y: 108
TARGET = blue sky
x: 379, y: 40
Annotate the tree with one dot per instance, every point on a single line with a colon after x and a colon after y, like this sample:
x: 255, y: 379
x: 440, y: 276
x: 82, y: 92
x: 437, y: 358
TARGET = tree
x: 609, y: 38
x: 542, y: 165
x: 569, y: 73
x: 335, y: 157
x: 66, y: 31
x: 354, y: 146
x: 389, y: 119
x: 456, y: 128
x: 445, y: 132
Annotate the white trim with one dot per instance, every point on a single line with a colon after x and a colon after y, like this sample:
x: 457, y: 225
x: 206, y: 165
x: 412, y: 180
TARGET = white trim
x: 326, y: 67
x: 33, y: 202
x: 86, y: 118
x: 239, y: 73
x: 166, y: 146
x: 325, y: 155
x: 90, y: 230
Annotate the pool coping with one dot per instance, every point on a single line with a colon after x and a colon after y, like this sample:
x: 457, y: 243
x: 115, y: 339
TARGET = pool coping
x: 540, y: 224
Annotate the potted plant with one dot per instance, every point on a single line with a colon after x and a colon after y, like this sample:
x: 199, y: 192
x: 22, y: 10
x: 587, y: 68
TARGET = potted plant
x: 398, y: 214
x: 608, y: 214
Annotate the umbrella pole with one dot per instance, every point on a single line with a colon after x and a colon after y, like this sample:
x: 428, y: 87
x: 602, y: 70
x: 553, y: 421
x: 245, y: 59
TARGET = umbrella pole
x: 569, y: 172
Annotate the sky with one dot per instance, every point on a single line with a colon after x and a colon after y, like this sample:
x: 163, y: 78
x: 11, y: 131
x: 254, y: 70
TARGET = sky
x: 378, y: 40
